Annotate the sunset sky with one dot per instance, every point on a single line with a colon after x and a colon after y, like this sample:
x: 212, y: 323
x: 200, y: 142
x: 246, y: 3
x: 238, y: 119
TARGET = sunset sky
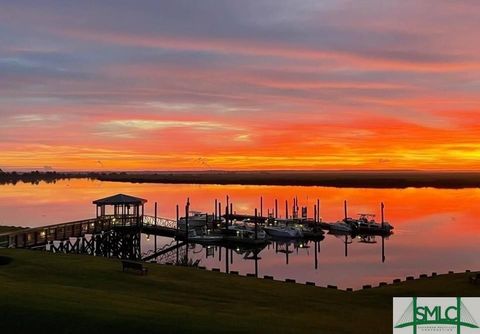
x: 155, y: 85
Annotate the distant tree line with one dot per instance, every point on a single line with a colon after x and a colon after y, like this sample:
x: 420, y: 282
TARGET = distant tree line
x: 368, y: 179
x: 36, y: 177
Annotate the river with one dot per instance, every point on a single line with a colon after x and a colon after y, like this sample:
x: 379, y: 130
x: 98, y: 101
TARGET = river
x: 436, y: 230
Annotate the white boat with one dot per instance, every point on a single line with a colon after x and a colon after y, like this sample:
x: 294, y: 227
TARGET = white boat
x: 195, y: 220
x: 284, y: 231
x: 366, y: 223
x: 340, y: 227
x: 245, y: 231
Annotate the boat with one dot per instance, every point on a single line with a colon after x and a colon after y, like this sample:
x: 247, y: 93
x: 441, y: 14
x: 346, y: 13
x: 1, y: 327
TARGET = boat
x: 206, y: 238
x: 196, y: 220
x: 245, y: 231
x: 340, y: 227
x: 312, y: 231
x: 283, y: 231
x: 366, y: 224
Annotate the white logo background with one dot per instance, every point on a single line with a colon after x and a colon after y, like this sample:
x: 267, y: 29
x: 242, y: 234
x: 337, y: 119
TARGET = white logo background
x: 400, y: 304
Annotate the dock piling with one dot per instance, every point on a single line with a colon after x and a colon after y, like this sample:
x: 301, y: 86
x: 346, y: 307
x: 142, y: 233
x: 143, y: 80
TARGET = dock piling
x: 187, y: 212
x: 318, y: 210
x: 177, y: 212
x: 383, y: 220
x: 226, y: 216
x: 261, y: 206
x: 220, y: 213
x: 156, y: 215
x: 256, y: 225
x: 383, y: 249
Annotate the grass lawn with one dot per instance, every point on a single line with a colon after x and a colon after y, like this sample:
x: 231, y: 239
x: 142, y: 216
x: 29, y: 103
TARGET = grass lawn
x: 42, y: 292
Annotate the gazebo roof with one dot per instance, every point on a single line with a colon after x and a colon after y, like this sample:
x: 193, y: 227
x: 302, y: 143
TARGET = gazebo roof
x: 120, y: 199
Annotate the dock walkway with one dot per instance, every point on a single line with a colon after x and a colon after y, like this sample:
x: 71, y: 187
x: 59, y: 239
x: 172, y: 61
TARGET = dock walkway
x: 40, y: 236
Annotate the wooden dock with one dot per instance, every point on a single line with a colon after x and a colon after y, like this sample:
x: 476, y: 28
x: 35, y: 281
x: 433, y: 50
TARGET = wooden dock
x: 120, y: 220
x: 40, y: 236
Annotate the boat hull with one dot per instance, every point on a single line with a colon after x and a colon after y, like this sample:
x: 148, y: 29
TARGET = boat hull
x: 342, y: 228
x: 281, y: 233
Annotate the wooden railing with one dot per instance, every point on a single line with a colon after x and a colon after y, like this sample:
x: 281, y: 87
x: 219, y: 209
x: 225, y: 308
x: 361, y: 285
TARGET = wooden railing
x: 38, y: 236
x: 159, y: 221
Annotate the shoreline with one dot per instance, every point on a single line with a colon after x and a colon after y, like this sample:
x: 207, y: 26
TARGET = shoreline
x: 39, y: 288
x: 340, y: 179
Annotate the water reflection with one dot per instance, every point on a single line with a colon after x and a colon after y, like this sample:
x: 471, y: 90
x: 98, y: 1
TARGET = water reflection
x: 435, y: 229
x: 251, y: 260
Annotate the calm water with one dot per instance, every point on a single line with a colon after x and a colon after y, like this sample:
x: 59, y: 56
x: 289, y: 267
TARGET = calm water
x: 435, y: 230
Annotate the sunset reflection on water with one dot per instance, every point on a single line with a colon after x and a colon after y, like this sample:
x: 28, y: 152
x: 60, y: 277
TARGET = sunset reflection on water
x: 435, y: 229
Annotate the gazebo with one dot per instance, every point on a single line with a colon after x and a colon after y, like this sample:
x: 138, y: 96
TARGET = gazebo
x: 127, y: 210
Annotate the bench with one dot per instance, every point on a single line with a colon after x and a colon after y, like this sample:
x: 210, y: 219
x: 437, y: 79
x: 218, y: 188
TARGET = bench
x: 138, y: 266
x: 475, y: 279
